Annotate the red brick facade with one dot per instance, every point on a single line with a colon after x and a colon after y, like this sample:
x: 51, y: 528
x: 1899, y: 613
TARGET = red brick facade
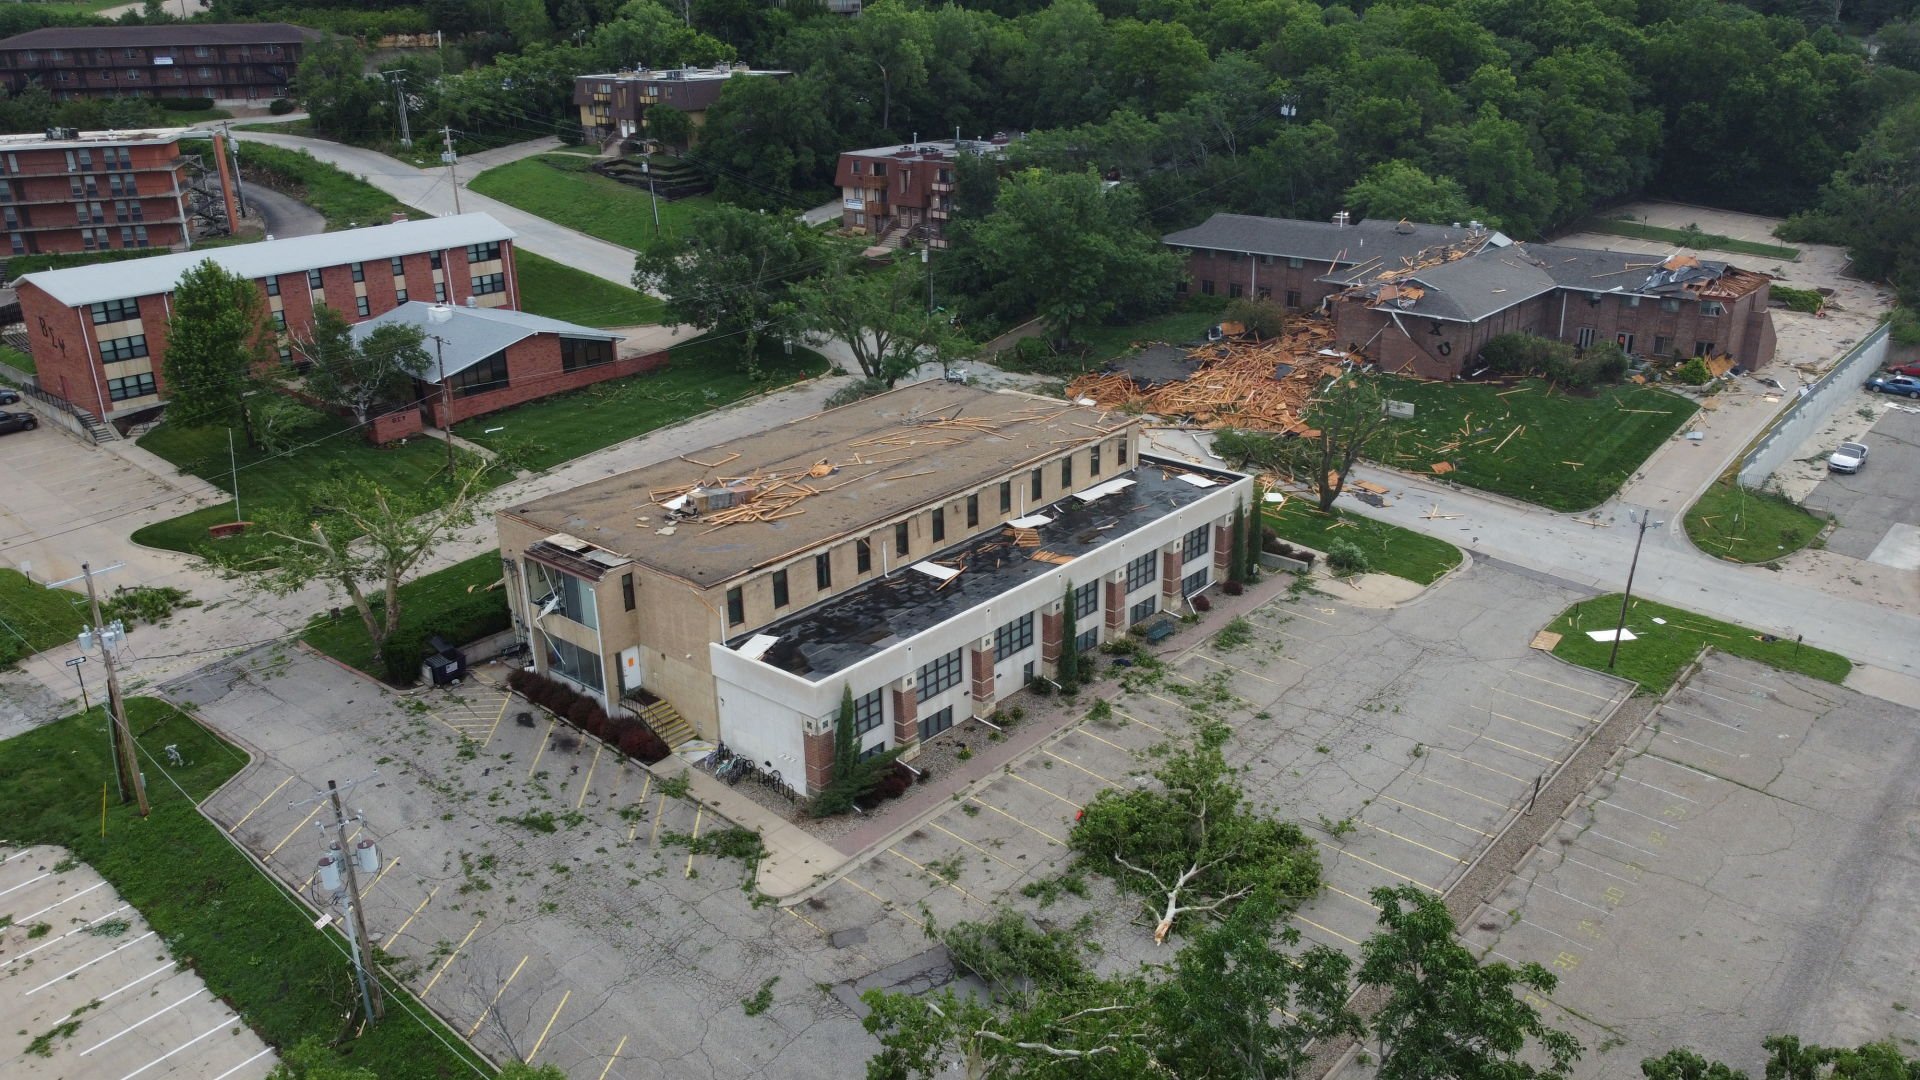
x: 222, y: 61
x: 906, y: 715
x: 1116, y: 605
x: 1272, y: 277
x: 819, y: 752
x: 78, y: 195
x: 394, y: 426
x: 534, y: 371
x: 981, y: 660
x: 1170, y: 575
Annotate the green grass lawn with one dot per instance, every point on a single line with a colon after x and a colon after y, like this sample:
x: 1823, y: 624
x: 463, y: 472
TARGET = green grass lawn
x: 559, y: 291
x: 454, y: 603
x: 17, y: 360
x: 1660, y: 650
x: 1101, y: 343
x: 1740, y: 524
x: 34, y: 617
x: 187, y: 117
x: 704, y: 374
x: 344, y: 200
x: 1574, y: 453
x: 1390, y: 549
x: 560, y: 188
x: 252, y: 943
x: 1698, y: 241
x: 278, y: 481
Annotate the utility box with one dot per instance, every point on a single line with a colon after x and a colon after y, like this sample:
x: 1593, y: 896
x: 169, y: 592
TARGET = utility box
x: 1400, y: 410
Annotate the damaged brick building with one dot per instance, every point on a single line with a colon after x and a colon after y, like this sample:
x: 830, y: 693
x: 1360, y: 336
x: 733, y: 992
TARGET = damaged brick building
x: 1426, y: 299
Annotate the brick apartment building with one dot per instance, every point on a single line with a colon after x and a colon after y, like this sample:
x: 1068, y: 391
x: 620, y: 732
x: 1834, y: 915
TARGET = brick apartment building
x: 1428, y: 298
x: 228, y: 62
x: 93, y: 191
x: 98, y: 333
x: 928, y: 574
x: 900, y: 193
x: 614, y: 105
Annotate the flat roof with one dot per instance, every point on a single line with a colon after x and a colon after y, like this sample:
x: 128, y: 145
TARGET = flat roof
x: 81, y: 285
x: 94, y: 138
x: 845, y: 629
x: 944, y: 148
x: 887, y: 455
x: 160, y: 35
x: 681, y: 74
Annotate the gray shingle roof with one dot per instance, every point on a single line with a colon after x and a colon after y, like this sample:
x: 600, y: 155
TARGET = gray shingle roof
x: 1366, y: 242
x: 81, y: 285
x: 471, y: 334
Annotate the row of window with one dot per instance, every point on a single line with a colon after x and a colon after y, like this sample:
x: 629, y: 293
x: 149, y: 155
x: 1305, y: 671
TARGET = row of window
x: 1662, y: 346
x: 87, y: 187
x: 132, y: 386
x: 101, y: 239
x: 489, y: 283
x: 115, y: 350
x: 486, y: 252
x: 163, y: 53
x: 488, y: 374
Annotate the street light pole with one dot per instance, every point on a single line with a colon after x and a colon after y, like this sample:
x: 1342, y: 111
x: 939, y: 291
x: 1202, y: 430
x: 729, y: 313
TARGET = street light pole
x: 1645, y: 520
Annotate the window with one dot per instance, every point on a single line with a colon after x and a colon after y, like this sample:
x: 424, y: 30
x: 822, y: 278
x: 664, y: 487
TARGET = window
x: 1180, y: 287
x: 626, y: 590
x: 1234, y: 290
x: 1013, y: 637
x: 1206, y: 286
x: 489, y: 283
x: 399, y: 267
x: 1662, y: 346
x: 1631, y: 301
x: 140, y: 235
x: 1194, y: 582
x: 859, y: 167
x: 577, y: 353
x: 780, y: 596
x: 1087, y: 641
x: 1583, y: 338
x: 433, y: 259
x: 1294, y: 262
x: 573, y: 662
x: 132, y: 386
x: 273, y: 286
x: 1120, y: 453
x: 19, y: 243
x: 736, y: 607
x: 940, y: 675
x: 1086, y: 600
x: 199, y: 50
x: 313, y: 280
x: 399, y: 296
x: 900, y: 539
x: 487, y: 252
x: 1195, y: 544
x: 1703, y: 348
x: 1236, y: 256
x: 1036, y: 486
x: 488, y: 374
x: 879, y: 168
x: 869, y: 711
x: 1142, y: 611
x: 1669, y: 305
x: 1712, y: 308
x: 359, y: 272
x: 939, y: 524
x: 1143, y: 571
x: 862, y: 556
x: 279, y: 320
x: 1093, y: 462
x: 1006, y: 496
x: 126, y: 348
x: 572, y: 596
x: 115, y: 310
x: 1625, y: 341
x: 823, y: 571
x: 362, y: 306
x: 936, y: 723
x: 439, y: 292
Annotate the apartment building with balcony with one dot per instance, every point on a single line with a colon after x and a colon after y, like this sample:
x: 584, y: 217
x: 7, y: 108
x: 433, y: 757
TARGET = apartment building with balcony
x: 916, y: 549
x: 905, y: 193
x: 232, y: 63
x: 614, y: 105
x: 98, y: 334
x: 93, y: 191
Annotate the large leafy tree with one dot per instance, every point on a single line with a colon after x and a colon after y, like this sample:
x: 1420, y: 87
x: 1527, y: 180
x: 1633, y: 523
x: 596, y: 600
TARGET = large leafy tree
x: 1400, y: 189
x: 1790, y: 1059
x: 767, y: 140
x: 879, y: 313
x: 219, y: 349
x: 733, y: 271
x: 360, y: 375
x: 334, y: 88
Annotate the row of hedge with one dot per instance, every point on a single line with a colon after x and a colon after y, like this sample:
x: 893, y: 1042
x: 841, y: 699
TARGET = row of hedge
x: 466, y: 617
x: 629, y: 735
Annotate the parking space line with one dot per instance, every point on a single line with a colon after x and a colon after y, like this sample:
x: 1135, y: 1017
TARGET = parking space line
x: 1702, y: 716
x: 1082, y: 768
x: 1584, y: 718
x: 382, y: 875
x: 1561, y: 685
x: 224, y: 1025
x: 1168, y: 700
x: 1768, y: 687
x: 1693, y: 688
x: 660, y: 811
x: 88, y: 964
x: 1698, y: 743
x: 1244, y: 671
x: 887, y: 905
x: 29, y: 881
x: 633, y: 827
x: 27, y: 920
x: 1096, y: 738
x: 1484, y: 737
x: 1303, y: 615
x: 698, y: 809
x: 1536, y: 727
x: 1129, y: 716
x: 244, y: 1064
x: 1050, y: 837
x: 77, y: 930
x: 505, y: 703
x: 1461, y: 790
x: 1356, y: 899
x: 1651, y: 756
x: 16, y: 855
x: 410, y: 918
x: 1037, y: 787
x: 1622, y: 843
x: 535, y: 1052
x: 1597, y: 870
x: 1431, y: 814
x: 1666, y: 823
x: 1524, y: 921
x: 168, y: 966
x: 1489, y: 768
x: 586, y: 785
x: 1410, y: 840
x: 614, y: 1058
x: 235, y: 827
x: 970, y: 844
x: 942, y: 879
x: 497, y: 994
x: 544, y: 740
x: 1623, y: 776
x: 1535, y: 884
x: 1297, y: 917
x: 817, y: 927
x: 291, y: 833
x: 140, y: 1023
x: 451, y: 957
x: 1377, y: 866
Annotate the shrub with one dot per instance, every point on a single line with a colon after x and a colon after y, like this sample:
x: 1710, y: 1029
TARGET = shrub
x: 1694, y: 372
x: 639, y: 741
x: 1201, y: 603
x: 1345, y: 559
x: 186, y: 104
x: 1798, y: 299
x: 1262, y: 318
x: 582, y: 710
x: 1232, y: 588
x: 855, y: 390
x: 280, y: 106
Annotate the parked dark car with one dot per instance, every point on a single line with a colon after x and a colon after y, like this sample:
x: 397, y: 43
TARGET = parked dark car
x: 1896, y: 384
x: 17, y: 421
x: 9, y: 396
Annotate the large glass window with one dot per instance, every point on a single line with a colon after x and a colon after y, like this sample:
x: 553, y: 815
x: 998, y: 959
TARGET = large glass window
x: 488, y: 374
x: 1143, y: 571
x: 736, y: 607
x: 780, y: 595
x: 572, y: 661
x: 132, y: 386
x: 1088, y: 640
x: 1086, y: 600
x: 111, y: 311
x: 868, y: 712
x: 935, y: 723
x: 938, y: 676
x: 1142, y: 611
x: 126, y: 348
x: 571, y: 597
x: 823, y: 571
x: 486, y: 284
x: 577, y: 353
x: 1013, y: 637
x: 1196, y: 543
x: 1194, y: 582
x: 486, y: 252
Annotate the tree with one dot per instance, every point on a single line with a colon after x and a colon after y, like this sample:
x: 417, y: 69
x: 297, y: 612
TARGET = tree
x: 879, y: 314
x: 313, y: 1059
x: 1347, y: 417
x: 765, y: 140
x: 733, y: 271
x: 1070, y: 249
x: 1873, y: 204
x: 1398, y: 189
x: 333, y: 86
x: 360, y: 375
x: 1680, y: 1064
x: 368, y: 536
x: 1191, y: 846
x: 1068, y: 669
x: 218, y: 345
x: 1251, y: 543
x: 1445, y: 1015
x: 846, y: 741
x: 1237, y: 558
x: 673, y: 128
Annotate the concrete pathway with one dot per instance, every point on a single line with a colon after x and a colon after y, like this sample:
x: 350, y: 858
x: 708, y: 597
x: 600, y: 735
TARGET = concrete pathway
x: 284, y: 215
x: 820, y: 215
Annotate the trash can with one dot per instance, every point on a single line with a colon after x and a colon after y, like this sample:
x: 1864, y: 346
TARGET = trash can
x: 446, y: 665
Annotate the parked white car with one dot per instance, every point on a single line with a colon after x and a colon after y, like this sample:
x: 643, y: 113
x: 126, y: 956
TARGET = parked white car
x: 1848, y: 458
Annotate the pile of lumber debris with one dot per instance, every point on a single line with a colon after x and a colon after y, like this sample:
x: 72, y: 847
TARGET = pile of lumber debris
x: 1258, y: 385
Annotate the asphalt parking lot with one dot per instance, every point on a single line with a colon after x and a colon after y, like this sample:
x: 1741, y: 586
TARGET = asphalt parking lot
x: 1877, y: 507
x: 89, y: 990
x: 1745, y: 867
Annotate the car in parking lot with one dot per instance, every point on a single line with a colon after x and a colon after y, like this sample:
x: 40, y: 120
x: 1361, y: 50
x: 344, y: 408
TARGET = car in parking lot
x: 9, y: 396
x: 1848, y: 457
x: 17, y: 421
x: 1906, y: 369
x: 1896, y: 384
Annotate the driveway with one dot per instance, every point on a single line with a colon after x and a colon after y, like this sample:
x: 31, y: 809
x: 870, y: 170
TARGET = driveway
x: 284, y: 215
x: 1878, y: 508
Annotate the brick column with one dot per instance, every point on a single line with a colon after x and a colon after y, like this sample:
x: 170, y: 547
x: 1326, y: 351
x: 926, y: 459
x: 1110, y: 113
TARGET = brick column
x: 1170, y: 576
x: 1116, y: 604
x: 1052, y: 620
x: 1222, y: 549
x: 906, y: 712
x: 819, y: 751
x: 981, y: 658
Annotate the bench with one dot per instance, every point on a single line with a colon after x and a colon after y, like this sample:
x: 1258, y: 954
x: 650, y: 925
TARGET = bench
x: 1157, y: 632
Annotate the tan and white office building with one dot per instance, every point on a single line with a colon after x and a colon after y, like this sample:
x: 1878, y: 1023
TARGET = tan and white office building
x: 916, y: 549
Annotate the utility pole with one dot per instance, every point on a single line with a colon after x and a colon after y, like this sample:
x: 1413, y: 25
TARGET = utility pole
x: 125, y: 763
x: 926, y: 260
x: 446, y: 395
x: 399, y: 77
x: 233, y: 149
x: 450, y: 157
x: 371, y: 998
x: 1645, y: 519
x: 233, y: 467
x: 646, y: 166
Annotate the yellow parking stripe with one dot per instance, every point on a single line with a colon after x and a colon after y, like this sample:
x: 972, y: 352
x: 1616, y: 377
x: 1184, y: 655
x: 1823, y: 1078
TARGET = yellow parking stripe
x: 451, y: 957
x: 1015, y: 820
